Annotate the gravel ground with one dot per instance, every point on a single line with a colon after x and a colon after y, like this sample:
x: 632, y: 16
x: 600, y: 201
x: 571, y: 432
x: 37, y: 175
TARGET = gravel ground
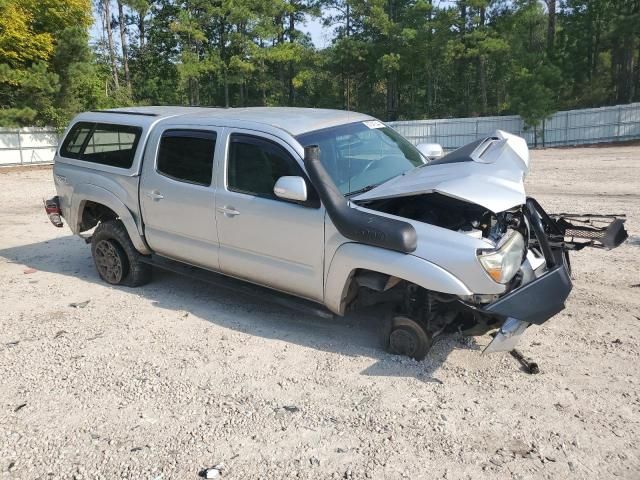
x: 162, y: 381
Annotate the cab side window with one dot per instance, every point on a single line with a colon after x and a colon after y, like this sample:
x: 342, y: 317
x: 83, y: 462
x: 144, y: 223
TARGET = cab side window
x: 187, y: 156
x: 255, y: 165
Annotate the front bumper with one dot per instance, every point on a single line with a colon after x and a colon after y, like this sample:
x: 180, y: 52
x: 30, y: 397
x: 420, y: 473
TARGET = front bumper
x: 538, y: 300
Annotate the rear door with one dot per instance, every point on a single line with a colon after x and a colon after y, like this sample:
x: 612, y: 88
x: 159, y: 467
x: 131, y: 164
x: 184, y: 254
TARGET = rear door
x: 177, y: 195
x: 263, y: 238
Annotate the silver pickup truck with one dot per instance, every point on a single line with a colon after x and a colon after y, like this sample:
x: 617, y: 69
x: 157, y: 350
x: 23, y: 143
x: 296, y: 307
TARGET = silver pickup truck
x: 330, y: 207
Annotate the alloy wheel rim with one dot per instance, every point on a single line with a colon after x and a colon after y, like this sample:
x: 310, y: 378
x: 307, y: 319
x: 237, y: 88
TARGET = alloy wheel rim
x: 108, y: 261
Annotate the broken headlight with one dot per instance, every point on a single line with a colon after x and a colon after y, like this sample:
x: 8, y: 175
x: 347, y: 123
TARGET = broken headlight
x: 503, y: 262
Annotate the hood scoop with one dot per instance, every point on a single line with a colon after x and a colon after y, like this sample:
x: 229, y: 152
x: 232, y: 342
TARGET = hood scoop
x: 488, y: 172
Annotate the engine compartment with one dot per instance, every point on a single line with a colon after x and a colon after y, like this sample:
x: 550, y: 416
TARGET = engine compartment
x: 452, y: 214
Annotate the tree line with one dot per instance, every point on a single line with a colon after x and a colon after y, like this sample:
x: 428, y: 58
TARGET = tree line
x: 394, y: 59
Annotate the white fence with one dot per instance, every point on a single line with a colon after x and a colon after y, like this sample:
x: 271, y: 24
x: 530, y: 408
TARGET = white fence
x: 573, y: 127
x: 21, y: 146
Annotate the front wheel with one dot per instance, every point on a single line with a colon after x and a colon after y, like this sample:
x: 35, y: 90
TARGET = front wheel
x: 115, y: 257
x: 408, y: 337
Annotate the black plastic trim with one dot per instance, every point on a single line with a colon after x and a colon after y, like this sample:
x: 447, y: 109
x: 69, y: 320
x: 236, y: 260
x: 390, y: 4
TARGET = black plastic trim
x: 537, y: 301
x: 123, y: 112
x: 191, y: 133
x: 355, y: 224
x: 615, y: 234
x: 459, y: 155
x: 535, y: 214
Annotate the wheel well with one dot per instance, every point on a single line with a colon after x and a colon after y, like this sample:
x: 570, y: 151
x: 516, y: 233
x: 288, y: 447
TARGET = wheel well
x: 368, y: 287
x: 436, y: 311
x: 94, y: 212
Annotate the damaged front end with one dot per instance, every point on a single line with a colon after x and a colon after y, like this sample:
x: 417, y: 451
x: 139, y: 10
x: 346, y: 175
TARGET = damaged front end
x: 537, y: 300
x: 526, y: 250
x: 467, y: 215
x: 530, y: 257
x: 539, y: 293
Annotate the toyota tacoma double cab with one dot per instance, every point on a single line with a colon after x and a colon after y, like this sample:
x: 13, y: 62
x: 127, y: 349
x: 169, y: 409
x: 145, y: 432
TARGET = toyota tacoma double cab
x: 324, y: 207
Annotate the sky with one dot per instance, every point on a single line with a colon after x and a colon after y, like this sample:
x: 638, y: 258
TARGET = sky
x: 320, y: 35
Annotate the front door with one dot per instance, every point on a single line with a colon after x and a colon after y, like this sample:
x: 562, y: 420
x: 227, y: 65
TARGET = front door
x: 177, y: 196
x: 264, y: 239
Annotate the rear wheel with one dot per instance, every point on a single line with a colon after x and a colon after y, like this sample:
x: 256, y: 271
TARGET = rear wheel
x: 110, y: 261
x: 408, y: 337
x: 115, y: 257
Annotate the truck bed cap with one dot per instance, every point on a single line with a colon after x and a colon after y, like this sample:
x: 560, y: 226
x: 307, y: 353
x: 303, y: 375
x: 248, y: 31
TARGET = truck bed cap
x: 294, y: 120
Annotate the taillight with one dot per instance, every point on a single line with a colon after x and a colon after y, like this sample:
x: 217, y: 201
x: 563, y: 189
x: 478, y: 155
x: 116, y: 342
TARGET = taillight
x: 52, y: 207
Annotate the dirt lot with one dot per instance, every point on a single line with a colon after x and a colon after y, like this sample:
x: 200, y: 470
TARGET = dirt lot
x: 162, y: 381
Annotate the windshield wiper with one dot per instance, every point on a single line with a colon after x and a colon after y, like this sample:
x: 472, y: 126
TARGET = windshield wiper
x: 362, y: 190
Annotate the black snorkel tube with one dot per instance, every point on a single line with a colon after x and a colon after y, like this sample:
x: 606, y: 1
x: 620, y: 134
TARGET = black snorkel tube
x: 355, y: 224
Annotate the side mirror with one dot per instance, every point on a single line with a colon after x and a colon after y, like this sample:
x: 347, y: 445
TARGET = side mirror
x: 291, y: 188
x: 430, y: 150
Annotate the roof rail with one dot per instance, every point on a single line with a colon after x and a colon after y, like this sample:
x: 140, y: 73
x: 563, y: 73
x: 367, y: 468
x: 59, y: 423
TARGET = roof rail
x: 125, y: 112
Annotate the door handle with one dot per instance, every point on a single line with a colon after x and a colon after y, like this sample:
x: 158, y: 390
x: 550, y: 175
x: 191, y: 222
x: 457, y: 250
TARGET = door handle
x: 228, y: 211
x: 154, y: 195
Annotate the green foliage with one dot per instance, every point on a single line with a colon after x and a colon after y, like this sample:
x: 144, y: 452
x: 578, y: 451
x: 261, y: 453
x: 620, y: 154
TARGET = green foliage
x: 533, y: 94
x: 47, y: 72
x: 391, y: 58
x: 535, y: 79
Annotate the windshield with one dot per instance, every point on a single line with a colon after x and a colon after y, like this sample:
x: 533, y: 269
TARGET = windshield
x: 362, y: 155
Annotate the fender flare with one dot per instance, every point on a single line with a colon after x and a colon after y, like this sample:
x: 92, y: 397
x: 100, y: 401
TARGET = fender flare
x: 88, y: 192
x: 350, y: 257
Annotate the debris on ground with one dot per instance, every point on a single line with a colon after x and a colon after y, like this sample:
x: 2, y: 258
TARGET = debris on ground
x: 213, y: 472
x: 60, y: 333
x: 28, y: 271
x: 529, y: 366
x: 80, y: 304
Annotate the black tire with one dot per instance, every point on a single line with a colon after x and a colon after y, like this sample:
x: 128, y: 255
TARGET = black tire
x: 407, y: 337
x: 115, y: 257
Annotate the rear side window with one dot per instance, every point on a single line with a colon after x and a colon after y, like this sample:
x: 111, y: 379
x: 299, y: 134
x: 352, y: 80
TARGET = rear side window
x: 102, y: 143
x: 74, y: 142
x: 187, y: 155
x: 255, y: 165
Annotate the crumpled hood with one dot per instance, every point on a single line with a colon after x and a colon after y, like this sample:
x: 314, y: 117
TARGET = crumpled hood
x: 489, y: 172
